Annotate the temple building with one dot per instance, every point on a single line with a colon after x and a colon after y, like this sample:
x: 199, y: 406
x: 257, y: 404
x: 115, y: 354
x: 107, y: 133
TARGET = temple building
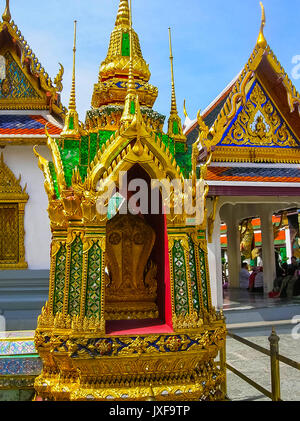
x: 252, y: 131
x: 129, y: 314
x: 29, y: 101
x: 131, y: 308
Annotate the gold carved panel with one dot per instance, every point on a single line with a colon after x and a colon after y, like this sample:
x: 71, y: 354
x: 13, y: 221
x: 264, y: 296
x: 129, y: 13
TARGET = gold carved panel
x: 12, y: 205
x: 9, y: 233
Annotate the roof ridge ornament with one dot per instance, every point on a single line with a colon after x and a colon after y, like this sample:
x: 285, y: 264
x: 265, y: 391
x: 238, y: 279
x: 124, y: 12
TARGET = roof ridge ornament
x: 6, y: 15
x: 261, y: 41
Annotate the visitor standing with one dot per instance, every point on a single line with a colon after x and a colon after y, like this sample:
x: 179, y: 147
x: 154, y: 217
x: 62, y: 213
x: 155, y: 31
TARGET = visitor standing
x: 244, y: 276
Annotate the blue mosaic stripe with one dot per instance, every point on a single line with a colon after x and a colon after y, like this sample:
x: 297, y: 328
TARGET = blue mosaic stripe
x: 17, y: 348
x: 20, y: 366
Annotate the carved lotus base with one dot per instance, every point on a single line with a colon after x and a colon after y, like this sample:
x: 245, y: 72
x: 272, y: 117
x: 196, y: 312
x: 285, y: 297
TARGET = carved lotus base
x: 161, y: 367
x: 129, y: 310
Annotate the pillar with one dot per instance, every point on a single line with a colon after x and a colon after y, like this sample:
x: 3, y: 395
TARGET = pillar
x: 289, y: 250
x: 233, y: 250
x: 215, y: 264
x: 268, y: 255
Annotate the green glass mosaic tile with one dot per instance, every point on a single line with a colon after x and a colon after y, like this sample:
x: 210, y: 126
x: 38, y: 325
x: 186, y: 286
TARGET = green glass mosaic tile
x: 60, y: 270
x: 75, y: 277
x: 132, y: 107
x: 175, y: 127
x: 125, y: 44
x: 180, y: 280
x: 93, y: 291
x: 84, y: 151
x: 70, y: 158
x: 193, y: 274
x: 203, y: 277
x: 184, y: 160
x: 93, y: 146
x: 71, y: 123
x: 168, y: 141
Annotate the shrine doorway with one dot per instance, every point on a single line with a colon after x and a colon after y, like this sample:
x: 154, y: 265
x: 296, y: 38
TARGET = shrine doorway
x: 141, y: 237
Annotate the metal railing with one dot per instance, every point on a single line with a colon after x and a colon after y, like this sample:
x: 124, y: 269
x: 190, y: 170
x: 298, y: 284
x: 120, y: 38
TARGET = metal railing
x: 275, y: 358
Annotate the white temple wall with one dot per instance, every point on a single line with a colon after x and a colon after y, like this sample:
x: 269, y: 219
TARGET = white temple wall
x: 22, y: 161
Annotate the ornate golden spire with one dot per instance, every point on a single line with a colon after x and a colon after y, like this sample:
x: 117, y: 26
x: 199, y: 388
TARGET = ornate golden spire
x: 72, y: 129
x: 173, y: 98
x: 130, y: 101
x: 261, y: 41
x: 174, y: 123
x: 6, y: 15
x: 114, y: 70
x: 72, y: 103
x: 123, y: 18
x: 131, y: 85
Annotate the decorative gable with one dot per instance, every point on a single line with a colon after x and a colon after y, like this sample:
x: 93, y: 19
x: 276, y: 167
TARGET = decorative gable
x: 259, y: 124
x: 14, y: 83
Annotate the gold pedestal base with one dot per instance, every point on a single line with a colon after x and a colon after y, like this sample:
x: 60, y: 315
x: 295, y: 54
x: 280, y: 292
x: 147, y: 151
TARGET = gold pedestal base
x: 161, y: 367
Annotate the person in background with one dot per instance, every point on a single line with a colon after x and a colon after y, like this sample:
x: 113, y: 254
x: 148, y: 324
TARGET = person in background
x: 259, y: 281
x: 244, y: 276
x: 293, y: 266
x: 252, y: 277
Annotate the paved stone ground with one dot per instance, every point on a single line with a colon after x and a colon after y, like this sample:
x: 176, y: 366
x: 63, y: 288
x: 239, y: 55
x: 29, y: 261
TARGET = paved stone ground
x: 257, y: 365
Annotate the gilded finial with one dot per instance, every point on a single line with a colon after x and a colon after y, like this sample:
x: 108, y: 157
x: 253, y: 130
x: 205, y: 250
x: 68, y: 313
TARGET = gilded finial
x: 131, y: 84
x: 173, y: 98
x: 6, y: 15
x: 123, y: 16
x: 72, y: 129
x: 261, y: 41
x: 130, y: 108
x: 184, y: 110
x: 174, y: 123
x: 72, y: 103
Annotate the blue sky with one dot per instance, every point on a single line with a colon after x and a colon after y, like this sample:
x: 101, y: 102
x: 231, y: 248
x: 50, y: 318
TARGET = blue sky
x: 212, y: 41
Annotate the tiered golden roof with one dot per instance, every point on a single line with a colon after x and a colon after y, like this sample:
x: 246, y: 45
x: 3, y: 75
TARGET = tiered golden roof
x: 111, y: 87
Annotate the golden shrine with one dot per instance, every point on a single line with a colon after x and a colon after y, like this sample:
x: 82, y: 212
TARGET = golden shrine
x: 129, y: 314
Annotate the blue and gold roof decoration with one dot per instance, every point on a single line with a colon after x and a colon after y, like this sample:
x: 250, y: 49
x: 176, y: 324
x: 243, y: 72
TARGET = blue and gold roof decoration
x: 24, y: 83
x: 259, y: 120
